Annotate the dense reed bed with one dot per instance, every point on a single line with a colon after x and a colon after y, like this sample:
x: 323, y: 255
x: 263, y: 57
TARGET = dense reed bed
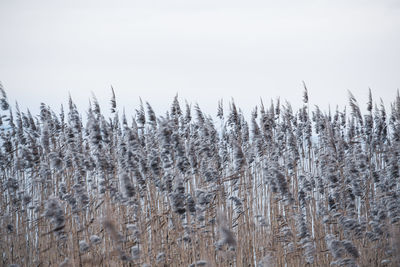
x: 287, y: 188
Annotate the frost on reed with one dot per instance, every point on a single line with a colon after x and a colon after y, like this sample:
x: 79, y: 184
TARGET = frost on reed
x: 297, y: 187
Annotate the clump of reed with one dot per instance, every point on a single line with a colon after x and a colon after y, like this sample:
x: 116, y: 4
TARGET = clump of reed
x: 287, y: 188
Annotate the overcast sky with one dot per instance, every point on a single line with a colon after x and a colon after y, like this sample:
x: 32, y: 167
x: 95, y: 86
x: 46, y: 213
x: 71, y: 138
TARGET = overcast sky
x: 203, y: 50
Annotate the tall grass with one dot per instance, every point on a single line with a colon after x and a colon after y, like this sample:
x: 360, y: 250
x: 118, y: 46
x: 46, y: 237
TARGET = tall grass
x: 287, y: 188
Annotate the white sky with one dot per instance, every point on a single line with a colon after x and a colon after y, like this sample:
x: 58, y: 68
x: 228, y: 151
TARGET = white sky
x: 203, y: 50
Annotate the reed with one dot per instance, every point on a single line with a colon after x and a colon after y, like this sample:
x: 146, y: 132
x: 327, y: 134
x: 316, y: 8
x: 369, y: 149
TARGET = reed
x: 287, y: 188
